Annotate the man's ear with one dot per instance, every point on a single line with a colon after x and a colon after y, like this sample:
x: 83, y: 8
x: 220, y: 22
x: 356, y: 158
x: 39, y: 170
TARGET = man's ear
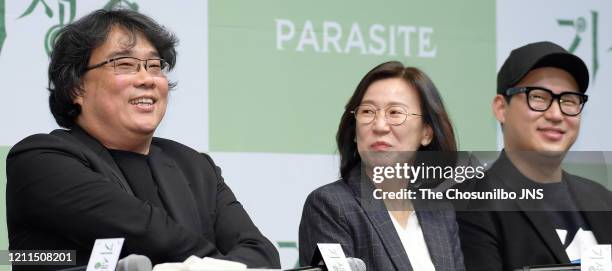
x: 499, y: 107
x: 78, y: 99
x: 79, y: 93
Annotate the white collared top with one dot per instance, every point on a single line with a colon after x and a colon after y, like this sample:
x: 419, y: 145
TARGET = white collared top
x: 414, y: 243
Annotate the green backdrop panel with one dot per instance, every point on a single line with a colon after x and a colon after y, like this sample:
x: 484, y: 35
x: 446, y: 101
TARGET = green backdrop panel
x: 280, y: 75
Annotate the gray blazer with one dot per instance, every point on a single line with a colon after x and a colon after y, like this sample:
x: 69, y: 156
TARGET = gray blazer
x: 344, y: 212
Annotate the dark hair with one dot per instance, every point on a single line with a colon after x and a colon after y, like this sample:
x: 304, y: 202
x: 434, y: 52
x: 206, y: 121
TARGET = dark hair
x: 432, y: 106
x: 74, y: 43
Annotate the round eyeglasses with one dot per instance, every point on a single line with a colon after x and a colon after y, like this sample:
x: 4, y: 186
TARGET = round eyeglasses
x: 129, y: 65
x: 540, y: 99
x: 394, y: 115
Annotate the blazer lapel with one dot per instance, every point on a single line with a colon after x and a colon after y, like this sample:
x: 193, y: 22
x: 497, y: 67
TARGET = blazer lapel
x: 102, y: 153
x: 504, y: 169
x: 542, y: 224
x: 174, y: 189
x: 436, y: 236
x: 600, y: 225
x: 594, y: 210
x: 378, y: 215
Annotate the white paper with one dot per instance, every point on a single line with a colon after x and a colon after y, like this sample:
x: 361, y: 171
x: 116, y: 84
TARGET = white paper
x: 334, y: 257
x: 596, y: 258
x: 105, y: 254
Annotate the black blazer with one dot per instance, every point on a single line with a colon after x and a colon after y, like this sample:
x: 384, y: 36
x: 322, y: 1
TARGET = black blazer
x: 520, y: 235
x: 64, y: 190
x: 345, y: 212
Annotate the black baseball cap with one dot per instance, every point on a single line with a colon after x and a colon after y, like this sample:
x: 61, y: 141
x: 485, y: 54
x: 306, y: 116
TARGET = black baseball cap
x: 538, y: 55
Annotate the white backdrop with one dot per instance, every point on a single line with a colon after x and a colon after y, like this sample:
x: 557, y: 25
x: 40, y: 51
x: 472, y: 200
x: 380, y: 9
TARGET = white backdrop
x: 272, y: 186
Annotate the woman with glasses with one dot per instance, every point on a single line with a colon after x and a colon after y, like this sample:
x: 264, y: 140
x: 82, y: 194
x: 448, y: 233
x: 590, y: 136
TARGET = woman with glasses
x: 394, y: 114
x: 105, y: 175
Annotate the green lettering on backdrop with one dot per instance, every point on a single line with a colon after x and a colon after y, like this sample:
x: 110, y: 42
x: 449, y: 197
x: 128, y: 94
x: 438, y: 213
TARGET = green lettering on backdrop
x: 51, y: 34
x: 594, y: 15
x: 2, y: 25
x: 67, y: 6
x: 580, y: 26
x: 280, y: 75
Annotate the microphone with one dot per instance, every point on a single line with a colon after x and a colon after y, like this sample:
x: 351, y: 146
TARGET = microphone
x: 555, y: 267
x: 76, y: 268
x: 134, y: 262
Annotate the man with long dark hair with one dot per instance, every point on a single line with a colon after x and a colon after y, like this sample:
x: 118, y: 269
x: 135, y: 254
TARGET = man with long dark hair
x: 105, y: 175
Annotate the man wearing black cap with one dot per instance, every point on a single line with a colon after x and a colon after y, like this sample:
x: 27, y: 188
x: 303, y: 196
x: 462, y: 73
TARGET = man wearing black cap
x: 540, y: 95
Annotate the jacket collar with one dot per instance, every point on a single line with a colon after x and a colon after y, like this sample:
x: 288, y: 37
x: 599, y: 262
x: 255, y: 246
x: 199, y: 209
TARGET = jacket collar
x: 504, y: 170
x: 174, y: 188
x: 596, y: 211
x: 101, y: 152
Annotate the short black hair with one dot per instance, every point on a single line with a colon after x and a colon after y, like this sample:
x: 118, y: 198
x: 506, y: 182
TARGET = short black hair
x: 431, y: 103
x: 74, y: 43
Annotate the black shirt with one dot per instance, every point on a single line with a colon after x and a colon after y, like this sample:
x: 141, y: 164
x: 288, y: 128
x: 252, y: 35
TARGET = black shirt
x: 136, y: 169
x: 563, y: 213
x: 566, y: 218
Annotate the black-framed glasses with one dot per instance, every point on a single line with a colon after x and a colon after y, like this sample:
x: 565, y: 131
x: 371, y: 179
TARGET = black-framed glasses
x: 130, y: 65
x: 394, y: 115
x: 540, y: 99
